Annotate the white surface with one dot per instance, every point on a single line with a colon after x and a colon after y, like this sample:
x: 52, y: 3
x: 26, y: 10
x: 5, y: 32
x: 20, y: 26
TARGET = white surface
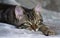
x: 8, y: 31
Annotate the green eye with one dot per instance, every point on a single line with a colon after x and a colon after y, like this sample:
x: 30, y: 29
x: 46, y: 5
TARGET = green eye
x: 25, y: 25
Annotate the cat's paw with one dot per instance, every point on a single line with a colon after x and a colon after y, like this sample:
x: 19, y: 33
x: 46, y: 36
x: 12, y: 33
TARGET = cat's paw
x: 49, y: 33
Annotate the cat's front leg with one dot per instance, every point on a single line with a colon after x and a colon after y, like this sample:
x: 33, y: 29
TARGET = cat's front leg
x: 46, y: 31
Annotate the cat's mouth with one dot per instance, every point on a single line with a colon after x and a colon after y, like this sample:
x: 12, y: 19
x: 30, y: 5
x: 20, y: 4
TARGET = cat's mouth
x: 34, y: 27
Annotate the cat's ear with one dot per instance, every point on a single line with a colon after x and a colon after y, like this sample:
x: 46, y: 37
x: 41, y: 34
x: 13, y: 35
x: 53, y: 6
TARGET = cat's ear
x: 38, y: 8
x: 18, y: 11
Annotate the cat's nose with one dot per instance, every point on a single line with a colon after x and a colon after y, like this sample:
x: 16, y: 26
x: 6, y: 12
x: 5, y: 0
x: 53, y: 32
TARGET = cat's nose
x: 34, y: 27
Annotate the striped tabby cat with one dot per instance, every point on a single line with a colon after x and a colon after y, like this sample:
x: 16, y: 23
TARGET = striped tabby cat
x: 24, y: 18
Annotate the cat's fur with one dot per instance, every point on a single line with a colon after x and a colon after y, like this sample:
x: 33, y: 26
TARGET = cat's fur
x: 22, y: 17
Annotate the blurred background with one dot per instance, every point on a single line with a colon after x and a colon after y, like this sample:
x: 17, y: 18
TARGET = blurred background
x: 53, y: 5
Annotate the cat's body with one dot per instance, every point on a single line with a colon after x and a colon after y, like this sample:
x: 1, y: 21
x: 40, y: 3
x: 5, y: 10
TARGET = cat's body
x: 7, y: 13
x: 23, y: 17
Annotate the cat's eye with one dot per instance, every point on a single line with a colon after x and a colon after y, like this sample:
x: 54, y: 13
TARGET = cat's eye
x: 27, y: 23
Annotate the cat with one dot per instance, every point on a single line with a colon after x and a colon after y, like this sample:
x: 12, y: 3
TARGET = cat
x: 24, y: 18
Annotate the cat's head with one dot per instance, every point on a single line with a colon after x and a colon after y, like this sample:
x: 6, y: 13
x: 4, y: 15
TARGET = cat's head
x: 19, y: 14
